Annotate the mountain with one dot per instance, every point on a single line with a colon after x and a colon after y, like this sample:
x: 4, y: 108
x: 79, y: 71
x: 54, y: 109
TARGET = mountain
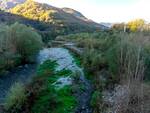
x: 109, y: 25
x: 79, y: 15
x: 46, y: 13
x: 75, y: 13
x: 7, y: 4
x: 48, y: 19
x: 52, y: 15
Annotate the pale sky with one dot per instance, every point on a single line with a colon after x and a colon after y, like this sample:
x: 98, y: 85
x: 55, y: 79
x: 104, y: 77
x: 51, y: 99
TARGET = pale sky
x: 107, y: 10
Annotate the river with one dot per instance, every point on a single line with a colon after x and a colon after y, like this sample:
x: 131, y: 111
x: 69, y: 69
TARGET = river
x: 65, y: 60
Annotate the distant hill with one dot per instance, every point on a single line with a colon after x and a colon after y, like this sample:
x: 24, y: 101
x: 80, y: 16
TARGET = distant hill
x: 49, y: 20
x: 75, y: 13
x: 52, y: 15
x: 109, y: 25
x: 7, y: 4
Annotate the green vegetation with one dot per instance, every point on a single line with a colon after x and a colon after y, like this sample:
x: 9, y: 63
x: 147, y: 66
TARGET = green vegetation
x: 95, y: 47
x: 62, y: 99
x: 77, y: 59
x: 42, y: 96
x: 67, y: 102
x: 112, y: 58
x: 51, y: 21
x: 102, y: 49
x: 18, y: 44
x: 97, y: 102
x: 16, y: 97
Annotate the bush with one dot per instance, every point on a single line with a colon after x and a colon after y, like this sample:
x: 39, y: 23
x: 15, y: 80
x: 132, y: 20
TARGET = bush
x: 97, y: 102
x: 25, y: 41
x: 16, y: 97
x: 46, y: 101
x: 93, y: 60
x: 47, y: 68
x: 18, y: 44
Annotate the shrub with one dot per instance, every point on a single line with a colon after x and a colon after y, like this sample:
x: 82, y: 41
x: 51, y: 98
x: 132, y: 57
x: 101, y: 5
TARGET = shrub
x: 47, y: 68
x: 18, y: 44
x: 25, y: 41
x: 97, y: 102
x: 128, y: 61
x: 67, y: 102
x: 46, y: 101
x: 93, y: 60
x: 16, y: 97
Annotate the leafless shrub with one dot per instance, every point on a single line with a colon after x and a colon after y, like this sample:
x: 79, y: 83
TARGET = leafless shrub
x: 131, y: 75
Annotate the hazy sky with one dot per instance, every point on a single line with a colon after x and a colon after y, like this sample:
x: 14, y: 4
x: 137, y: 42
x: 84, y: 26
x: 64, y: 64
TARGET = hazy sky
x: 107, y: 10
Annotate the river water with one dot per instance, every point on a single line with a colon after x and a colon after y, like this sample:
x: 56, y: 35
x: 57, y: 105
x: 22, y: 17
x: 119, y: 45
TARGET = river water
x: 65, y: 61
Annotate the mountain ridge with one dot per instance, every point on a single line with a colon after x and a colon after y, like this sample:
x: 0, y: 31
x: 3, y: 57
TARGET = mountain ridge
x: 7, y: 4
x: 47, y: 13
x: 50, y: 21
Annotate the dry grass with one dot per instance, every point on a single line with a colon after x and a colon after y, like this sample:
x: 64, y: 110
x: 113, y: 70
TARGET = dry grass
x: 132, y: 68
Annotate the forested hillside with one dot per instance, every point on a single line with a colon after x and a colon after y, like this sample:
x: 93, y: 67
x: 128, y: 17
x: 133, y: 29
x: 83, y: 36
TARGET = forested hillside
x: 50, y: 14
x: 49, y: 21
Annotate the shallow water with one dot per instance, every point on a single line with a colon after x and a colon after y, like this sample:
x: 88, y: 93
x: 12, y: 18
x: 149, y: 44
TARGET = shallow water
x: 60, y: 55
x: 66, y: 61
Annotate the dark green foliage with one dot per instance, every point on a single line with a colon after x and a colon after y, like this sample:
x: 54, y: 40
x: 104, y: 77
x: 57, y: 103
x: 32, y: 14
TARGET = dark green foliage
x: 18, y: 44
x: 112, y: 59
x: 49, y: 99
x: 46, y: 101
x: 95, y: 47
x: 47, y: 68
x: 97, y: 102
x: 64, y: 73
x: 77, y: 59
x: 93, y: 60
x: 67, y: 102
x: 54, y: 101
x: 25, y: 40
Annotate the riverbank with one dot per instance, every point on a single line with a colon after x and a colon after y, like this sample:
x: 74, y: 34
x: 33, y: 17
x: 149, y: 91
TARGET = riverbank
x: 21, y: 74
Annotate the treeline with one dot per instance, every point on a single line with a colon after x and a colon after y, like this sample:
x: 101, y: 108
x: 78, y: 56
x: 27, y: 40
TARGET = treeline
x: 19, y: 44
x: 133, y: 26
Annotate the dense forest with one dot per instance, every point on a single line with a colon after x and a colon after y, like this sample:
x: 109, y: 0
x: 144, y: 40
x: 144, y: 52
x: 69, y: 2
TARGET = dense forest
x: 79, y: 66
